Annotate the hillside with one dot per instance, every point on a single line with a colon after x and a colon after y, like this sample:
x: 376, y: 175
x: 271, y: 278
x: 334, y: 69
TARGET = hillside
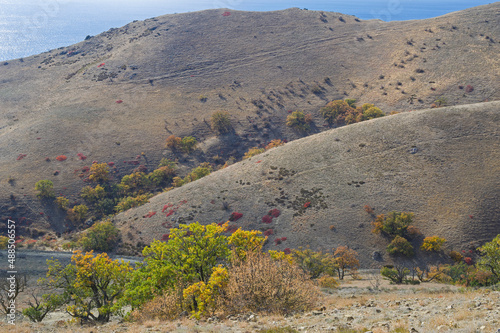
x: 451, y: 183
x: 120, y: 94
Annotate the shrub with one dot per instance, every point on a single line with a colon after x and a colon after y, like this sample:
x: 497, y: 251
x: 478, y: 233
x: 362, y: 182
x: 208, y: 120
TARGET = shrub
x: 61, y: 158
x: 400, y: 245
x: 80, y: 212
x: 130, y: 202
x: 335, y: 111
x: 328, y: 282
x: 267, y: 219
x: 4, y: 241
x: 297, y: 120
x: 275, y: 212
x: 252, y: 152
x: 235, y: 216
x: 39, y: 308
x: 261, y: 284
x: 62, y: 203
x: 220, y: 122
x: 274, y: 143
x: 102, y: 236
x: 433, y: 243
x: 204, y: 169
x: 371, y: 113
x: 99, y: 172
x: 469, y: 89
x: 369, y: 209
x: 45, y: 189
x: 92, y: 195
x: 456, y: 256
x: 395, y: 274
x: 395, y: 224
x: 188, y: 144
x: 136, y: 182
x: 314, y: 263
x: 173, y: 142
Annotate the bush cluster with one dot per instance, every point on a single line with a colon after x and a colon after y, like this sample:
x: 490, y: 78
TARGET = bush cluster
x: 344, y: 112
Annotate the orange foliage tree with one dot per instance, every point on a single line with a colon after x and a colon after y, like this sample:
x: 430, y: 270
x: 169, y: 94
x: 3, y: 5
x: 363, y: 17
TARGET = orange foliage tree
x: 346, y: 259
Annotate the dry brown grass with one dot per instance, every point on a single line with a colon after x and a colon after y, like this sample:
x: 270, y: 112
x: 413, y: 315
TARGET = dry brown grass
x: 261, y: 284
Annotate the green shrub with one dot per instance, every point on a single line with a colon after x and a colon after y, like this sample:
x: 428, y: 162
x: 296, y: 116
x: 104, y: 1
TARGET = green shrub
x: 188, y: 144
x: 314, y: 263
x: 102, y: 236
x: 92, y: 195
x: 4, y: 241
x: 99, y: 172
x: 80, y: 212
x: 395, y: 224
x: 297, y: 120
x: 129, y: 202
x: 396, y: 274
x: 62, y: 202
x: 400, y: 245
x: 253, y: 151
x: 490, y: 257
x: 220, y: 122
x: 433, y: 243
x: 45, y: 189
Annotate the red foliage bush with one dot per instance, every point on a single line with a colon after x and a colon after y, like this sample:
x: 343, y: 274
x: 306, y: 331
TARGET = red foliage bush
x: 85, y: 169
x: 61, y: 158
x: 119, y: 101
x: 283, y: 239
x: 287, y: 250
x: 468, y: 261
x: 150, y: 214
x: 307, y: 204
x: 277, y: 241
x: 101, y: 65
x: 21, y: 156
x: 235, y: 216
x: 469, y: 89
x: 268, y: 232
x: 81, y: 156
x: 274, y: 212
x: 231, y: 228
x: 165, y: 237
x: 47, y: 159
x: 368, y: 209
x: 267, y: 219
x: 226, y: 14
x: 167, y: 206
x: 170, y: 212
x: 111, y: 164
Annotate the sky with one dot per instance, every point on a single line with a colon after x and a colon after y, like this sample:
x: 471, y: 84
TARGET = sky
x: 386, y: 10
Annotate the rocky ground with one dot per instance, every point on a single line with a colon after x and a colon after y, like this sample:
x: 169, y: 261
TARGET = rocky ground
x: 366, y: 305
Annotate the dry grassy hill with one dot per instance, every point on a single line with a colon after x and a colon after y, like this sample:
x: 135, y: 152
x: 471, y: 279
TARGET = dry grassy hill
x: 451, y: 183
x: 255, y: 65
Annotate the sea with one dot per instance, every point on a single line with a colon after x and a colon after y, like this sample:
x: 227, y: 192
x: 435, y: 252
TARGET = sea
x: 29, y: 27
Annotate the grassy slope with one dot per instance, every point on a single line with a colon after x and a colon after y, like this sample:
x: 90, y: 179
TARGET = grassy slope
x: 454, y: 174
x: 160, y: 67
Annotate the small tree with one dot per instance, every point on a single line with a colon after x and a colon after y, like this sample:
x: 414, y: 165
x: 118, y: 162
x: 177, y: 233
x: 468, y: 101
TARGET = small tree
x: 346, y: 259
x: 91, y: 285
x: 395, y: 274
x: 45, y: 189
x: 400, y: 245
x: 335, y: 111
x: 220, y: 122
x: 102, y: 236
x: 433, y: 243
x: 173, y: 142
x: 40, y: 307
x: 80, y: 212
x: 490, y: 257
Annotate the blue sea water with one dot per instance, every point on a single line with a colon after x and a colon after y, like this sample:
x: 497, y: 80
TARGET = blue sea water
x: 30, y: 27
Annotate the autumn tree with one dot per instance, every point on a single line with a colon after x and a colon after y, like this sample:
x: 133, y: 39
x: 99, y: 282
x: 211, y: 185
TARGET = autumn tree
x: 346, y: 259
x: 253, y: 151
x: 298, y: 121
x: 90, y: 285
x: 314, y: 263
x: 400, y: 246
x: 335, y: 111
